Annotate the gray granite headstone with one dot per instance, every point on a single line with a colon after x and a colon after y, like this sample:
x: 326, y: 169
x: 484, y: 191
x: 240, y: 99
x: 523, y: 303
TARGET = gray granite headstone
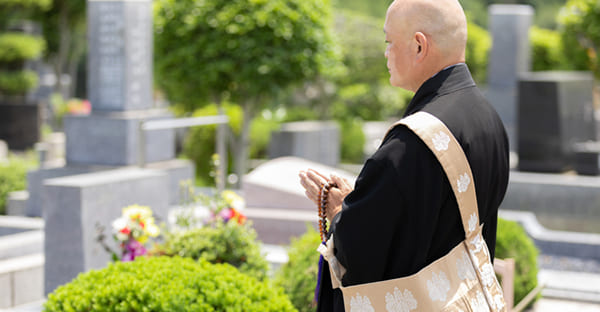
x: 120, y: 54
x: 555, y: 112
x: 509, y: 56
x: 75, y: 204
x: 312, y: 140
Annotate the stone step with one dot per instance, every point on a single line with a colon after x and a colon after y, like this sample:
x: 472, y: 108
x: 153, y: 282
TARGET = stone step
x: 21, y: 280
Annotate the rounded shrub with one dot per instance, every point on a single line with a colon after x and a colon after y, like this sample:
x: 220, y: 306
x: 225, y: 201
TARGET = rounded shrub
x: 298, y: 277
x: 222, y: 243
x: 17, y: 82
x: 17, y: 47
x: 166, y: 284
x: 261, y: 129
x: 513, y: 242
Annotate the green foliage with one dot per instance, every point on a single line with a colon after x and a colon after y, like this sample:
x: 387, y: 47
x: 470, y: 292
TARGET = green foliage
x: 207, y: 50
x: 222, y: 243
x: 200, y: 144
x: 166, y: 284
x: 547, y: 50
x: 299, y: 275
x: 13, y: 176
x: 17, y: 47
x: 513, y: 242
x: 353, y: 141
x: 479, y: 43
x: 260, y: 135
x: 17, y: 82
x: 580, y: 20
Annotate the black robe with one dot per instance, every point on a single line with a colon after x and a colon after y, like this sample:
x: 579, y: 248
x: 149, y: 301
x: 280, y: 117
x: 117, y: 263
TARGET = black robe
x: 402, y: 214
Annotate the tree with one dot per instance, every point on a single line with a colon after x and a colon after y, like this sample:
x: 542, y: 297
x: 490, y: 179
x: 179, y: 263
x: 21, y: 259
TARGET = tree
x: 240, y: 50
x: 580, y: 20
x: 64, y: 27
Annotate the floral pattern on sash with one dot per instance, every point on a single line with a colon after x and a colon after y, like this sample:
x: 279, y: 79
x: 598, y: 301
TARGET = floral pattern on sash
x: 463, y: 183
x: 399, y: 302
x: 478, y: 304
x: 438, y: 287
x: 359, y: 303
x: 440, y: 141
x: 473, y: 220
x: 465, y: 268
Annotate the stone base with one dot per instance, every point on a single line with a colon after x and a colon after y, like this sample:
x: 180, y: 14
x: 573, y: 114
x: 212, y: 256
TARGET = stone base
x: 315, y: 141
x: 112, y: 138
x: 20, y: 124
x: 75, y: 205
x: 560, y: 201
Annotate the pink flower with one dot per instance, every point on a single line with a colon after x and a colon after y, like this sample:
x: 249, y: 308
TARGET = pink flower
x: 133, y: 249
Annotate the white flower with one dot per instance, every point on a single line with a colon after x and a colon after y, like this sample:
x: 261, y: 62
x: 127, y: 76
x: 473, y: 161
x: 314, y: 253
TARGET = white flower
x: 438, y: 287
x: 487, y: 274
x: 499, y: 302
x: 399, y: 302
x: 440, y: 141
x: 119, y: 224
x: 473, y: 223
x: 465, y: 268
x: 479, y: 304
x: 360, y: 304
x: 463, y: 183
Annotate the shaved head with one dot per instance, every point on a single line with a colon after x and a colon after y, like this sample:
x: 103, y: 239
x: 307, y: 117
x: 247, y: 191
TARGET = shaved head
x: 435, y: 32
x: 443, y: 21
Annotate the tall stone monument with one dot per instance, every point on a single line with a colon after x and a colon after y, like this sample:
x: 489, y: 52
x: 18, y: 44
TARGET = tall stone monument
x: 510, y: 56
x: 103, y: 147
x: 119, y: 88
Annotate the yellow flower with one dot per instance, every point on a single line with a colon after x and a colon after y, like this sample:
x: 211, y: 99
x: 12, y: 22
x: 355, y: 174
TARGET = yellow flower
x: 233, y: 200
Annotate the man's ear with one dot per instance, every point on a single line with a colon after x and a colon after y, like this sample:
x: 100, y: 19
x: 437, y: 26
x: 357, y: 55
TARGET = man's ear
x: 422, y: 46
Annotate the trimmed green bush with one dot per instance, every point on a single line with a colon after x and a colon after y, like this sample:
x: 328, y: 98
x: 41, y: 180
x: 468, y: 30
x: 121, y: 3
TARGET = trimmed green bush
x: 353, y: 141
x: 166, y: 284
x: 513, y: 242
x: 224, y: 243
x: 17, y: 82
x: 479, y: 43
x: 298, y: 277
x: 15, y: 47
x: 13, y: 177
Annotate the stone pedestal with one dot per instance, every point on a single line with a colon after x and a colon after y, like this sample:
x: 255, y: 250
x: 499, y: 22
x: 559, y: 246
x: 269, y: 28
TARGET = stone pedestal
x: 509, y: 56
x: 555, y: 112
x: 76, y: 204
x: 20, y: 124
x: 113, y: 138
x: 315, y: 141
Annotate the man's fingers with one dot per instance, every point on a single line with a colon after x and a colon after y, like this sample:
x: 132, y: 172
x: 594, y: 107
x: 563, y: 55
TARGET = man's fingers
x: 320, y: 175
x: 316, y: 177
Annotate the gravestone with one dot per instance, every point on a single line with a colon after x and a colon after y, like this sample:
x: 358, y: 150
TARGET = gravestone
x: 311, y: 140
x: 555, y: 112
x: 119, y: 89
x: 76, y: 204
x: 510, y: 55
x: 20, y: 122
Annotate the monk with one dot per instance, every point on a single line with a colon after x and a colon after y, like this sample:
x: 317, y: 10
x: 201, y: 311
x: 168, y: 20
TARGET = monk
x: 401, y: 213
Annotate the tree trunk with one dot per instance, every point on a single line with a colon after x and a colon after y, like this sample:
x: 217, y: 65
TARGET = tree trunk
x: 241, y: 148
x: 63, y: 49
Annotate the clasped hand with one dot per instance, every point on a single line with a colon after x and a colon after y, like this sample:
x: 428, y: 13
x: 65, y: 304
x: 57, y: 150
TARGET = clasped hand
x: 312, y: 180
